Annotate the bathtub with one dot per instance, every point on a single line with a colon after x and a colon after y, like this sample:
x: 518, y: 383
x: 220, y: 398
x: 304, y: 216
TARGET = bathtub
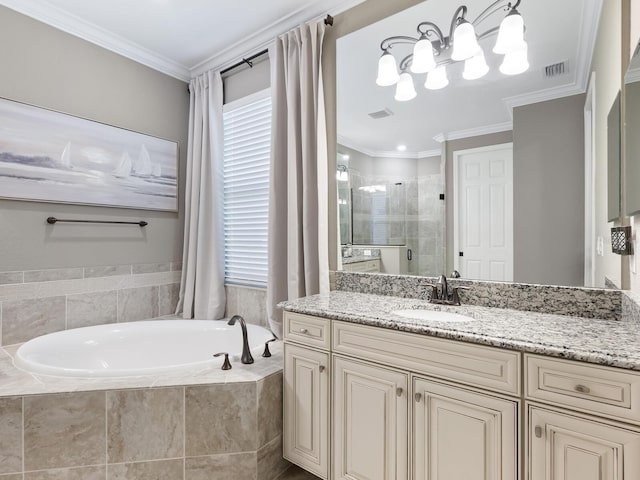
x: 137, y: 348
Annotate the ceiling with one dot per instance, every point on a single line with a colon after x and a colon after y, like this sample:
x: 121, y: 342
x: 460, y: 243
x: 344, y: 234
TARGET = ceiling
x: 555, y: 32
x: 179, y: 37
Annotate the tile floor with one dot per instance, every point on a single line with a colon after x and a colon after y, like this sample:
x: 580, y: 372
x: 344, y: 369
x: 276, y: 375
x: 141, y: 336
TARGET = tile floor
x: 296, y: 473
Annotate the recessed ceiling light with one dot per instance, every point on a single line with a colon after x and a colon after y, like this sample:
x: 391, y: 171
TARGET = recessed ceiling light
x: 402, y: 148
x: 345, y: 156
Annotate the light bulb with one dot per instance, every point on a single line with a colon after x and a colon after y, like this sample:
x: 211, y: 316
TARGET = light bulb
x: 515, y: 62
x: 475, y: 67
x: 387, y: 70
x: 405, y: 90
x: 423, y: 60
x: 465, y: 42
x: 511, y: 33
x: 437, y: 78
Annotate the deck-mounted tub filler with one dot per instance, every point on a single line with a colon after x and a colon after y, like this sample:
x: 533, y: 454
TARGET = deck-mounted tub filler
x: 142, y: 400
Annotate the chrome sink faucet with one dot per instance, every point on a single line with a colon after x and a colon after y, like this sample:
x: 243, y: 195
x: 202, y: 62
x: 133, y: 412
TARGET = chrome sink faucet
x: 246, y: 357
x: 440, y: 293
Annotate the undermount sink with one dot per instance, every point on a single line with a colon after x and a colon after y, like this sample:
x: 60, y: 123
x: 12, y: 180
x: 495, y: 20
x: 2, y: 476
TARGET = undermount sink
x: 433, y: 315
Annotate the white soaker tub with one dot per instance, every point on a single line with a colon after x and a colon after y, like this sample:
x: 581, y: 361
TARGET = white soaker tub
x: 137, y: 348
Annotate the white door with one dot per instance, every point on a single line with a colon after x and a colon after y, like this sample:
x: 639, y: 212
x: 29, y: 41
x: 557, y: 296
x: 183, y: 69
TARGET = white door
x: 306, y: 409
x: 370, y: 422
x: 564, y: 447
x: 483, y: 211
x: 463, y: 435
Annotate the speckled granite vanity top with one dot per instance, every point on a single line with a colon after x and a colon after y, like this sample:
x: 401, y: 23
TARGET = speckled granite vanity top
x: 606, y: 342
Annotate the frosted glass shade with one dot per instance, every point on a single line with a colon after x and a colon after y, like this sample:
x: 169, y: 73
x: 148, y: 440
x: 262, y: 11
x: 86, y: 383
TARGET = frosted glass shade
x: 515, y: 62
x: 387, y: 70
x: 465, y: 42
x: 475, y: 67
x: 423, y: 60
x: 511, y: 34
x: 437, y: 78
x: 405, y: 90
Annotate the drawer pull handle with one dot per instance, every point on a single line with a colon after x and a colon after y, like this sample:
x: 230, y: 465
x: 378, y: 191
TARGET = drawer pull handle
x: 583, y: 389
x: 418, y: 397
x: 399, y: 391
x: 304, y: 331
x: 538, y: 432
x: 321, y: 368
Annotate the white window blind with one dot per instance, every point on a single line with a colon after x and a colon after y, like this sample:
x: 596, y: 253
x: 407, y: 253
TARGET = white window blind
x: 247, y: 147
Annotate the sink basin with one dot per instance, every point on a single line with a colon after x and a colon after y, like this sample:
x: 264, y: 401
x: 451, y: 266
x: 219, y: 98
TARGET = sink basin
x: 434, y: 316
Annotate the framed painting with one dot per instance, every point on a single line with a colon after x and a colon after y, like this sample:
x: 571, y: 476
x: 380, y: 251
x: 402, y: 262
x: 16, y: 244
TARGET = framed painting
x: 48, y: 156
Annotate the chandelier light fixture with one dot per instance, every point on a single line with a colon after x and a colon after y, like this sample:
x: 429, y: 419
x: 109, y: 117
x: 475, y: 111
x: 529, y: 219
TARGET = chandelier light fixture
x: 433, y: 51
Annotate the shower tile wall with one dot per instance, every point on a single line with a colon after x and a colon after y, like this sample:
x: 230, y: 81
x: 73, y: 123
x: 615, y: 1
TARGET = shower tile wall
x: 431, y: 227
x: 35, y: 303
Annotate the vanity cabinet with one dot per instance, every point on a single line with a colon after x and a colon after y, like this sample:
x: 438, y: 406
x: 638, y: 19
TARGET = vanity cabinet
x: 367, y: 266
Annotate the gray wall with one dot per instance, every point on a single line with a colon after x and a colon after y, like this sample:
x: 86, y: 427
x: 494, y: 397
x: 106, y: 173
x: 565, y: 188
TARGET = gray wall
x: 49, y: 68
x: 449, y: 147
x: 548, y: 193
x: 244, y: 81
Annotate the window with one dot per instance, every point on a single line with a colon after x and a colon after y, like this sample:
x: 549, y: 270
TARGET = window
x: 247, y: 150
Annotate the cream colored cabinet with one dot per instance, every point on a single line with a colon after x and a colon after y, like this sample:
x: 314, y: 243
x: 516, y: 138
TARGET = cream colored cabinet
x: 306, y: 408
x: 370, y: 434
x: 563, y: 446
x: 461, y: 434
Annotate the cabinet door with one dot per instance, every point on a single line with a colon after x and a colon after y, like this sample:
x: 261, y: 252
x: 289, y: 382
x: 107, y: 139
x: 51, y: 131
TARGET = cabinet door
x: 567, y: 447
x: 460, y: 434
x: 370, y: 439
x: 306, y: 409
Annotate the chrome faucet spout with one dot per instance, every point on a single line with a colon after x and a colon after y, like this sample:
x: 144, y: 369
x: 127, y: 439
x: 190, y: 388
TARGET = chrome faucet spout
x: 246, y: 357
x: 444, y: 288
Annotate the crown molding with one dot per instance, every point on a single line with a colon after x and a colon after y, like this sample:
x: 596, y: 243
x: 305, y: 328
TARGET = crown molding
x: 387, y: 154
x: 474, y: 132
x: 441, y: 137
x: 73, y: 25
x: 263, y: 38
x: 632, y: 76
x: 588, y: 36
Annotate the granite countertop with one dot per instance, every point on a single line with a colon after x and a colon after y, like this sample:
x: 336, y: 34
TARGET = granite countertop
x: 605, y: 342
x: 359, y: 258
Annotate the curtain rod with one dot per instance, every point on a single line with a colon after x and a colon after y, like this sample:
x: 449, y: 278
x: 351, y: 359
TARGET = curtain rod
x: 328, y: 20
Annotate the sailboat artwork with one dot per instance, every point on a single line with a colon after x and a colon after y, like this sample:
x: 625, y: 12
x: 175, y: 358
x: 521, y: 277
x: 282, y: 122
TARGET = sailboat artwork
x: 48, y: 156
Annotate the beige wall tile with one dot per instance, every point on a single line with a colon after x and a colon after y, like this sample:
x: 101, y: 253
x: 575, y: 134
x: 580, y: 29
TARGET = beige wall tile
x: 11, y: 476
x: 296, y: 473
x: 269, y: 408
x: 64, y: 430
x: 107, y: 271
x: 270, y: 461
x: 168, y: 298
x: 252, y: 305
x: 137, y: 304
x: 231, y: 292
x: 53, y: 274
x: 176, y: 266
x: 10, y: 435
x: 157, y: 470
x: 7, y: 278
x: 238, y: 466
x: 220, y: 419
x: 145, y: 424
x: 88, y: 309
x: 82, y: 473
x: 150, y: 268
x: 23, y: 320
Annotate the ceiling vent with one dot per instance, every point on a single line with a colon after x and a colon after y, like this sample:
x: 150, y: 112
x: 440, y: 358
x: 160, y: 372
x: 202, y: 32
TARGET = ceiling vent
x: 381, y: 114
x: 556, y: 69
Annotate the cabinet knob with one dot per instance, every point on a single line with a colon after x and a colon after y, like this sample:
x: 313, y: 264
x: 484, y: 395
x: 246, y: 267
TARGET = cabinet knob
x: 582, y: 389
x: 321, y: 368
x: 538, y: 432
x: 304, y: 331
x: 418, y: 397
x: 399, y: 391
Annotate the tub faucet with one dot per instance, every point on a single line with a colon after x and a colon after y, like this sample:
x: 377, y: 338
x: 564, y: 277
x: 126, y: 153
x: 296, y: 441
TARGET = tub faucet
x: 246, y: 357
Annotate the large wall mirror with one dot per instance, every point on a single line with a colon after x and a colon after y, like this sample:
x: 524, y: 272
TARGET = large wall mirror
x: 632, y: 126
x: 481, y: 171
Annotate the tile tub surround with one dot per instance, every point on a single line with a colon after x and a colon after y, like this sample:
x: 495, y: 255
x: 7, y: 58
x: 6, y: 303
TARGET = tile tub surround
x: 573, y: 301
x: 102, y: 295
x: 248, y: 302
x: 358, y: 255
x: 223, y: 430
x: 614, y: 343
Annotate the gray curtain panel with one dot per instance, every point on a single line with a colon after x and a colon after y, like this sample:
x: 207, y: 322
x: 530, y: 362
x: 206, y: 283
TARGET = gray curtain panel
x: 298, y: 211
x: 202, y: 292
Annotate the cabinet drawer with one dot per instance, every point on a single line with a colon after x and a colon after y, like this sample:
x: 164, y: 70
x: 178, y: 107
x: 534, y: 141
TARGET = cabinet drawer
x: 308, y: 330
x: 590, y: 388
x: 475, y: 365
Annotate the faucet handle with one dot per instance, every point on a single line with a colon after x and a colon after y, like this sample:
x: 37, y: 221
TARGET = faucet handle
x: 266, y: 352
x: 455, y: 295
x: 434, y: 292
x: 226, y: 364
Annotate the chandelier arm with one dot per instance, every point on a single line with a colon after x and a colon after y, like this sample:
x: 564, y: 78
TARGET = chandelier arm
x: 434, y: 28
x: 490, y: 10
x: 488, y: 33
x: 387, y: 43
x: 461, y: 12
x: 404, y: 63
